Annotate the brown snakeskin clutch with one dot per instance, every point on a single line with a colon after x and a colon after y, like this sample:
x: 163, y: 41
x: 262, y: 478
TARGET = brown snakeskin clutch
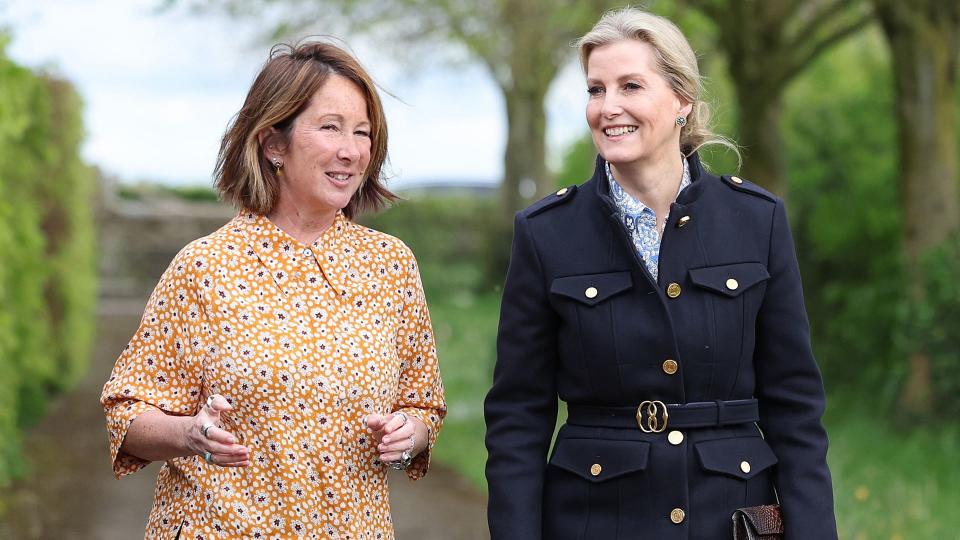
x: 758, y: 523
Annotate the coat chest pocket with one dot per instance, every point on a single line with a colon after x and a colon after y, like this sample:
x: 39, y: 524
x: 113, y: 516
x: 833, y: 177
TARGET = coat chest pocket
x: 592, y: 289
x: 730, y: 280
x: 730, y: 300
x: 588, y: 308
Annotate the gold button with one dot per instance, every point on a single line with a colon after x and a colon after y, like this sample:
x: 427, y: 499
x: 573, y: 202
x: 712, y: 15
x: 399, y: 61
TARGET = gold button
x: 677, y: 515
x: 736, y: 180
x: 591, y: 292
x: 683, y: 221
x: 562, y: 192
x: 745, y: 466
x: 675, y: 437
x: 669, y: 366
x: 673, y: 290
x: 595, y: 469
x: 732, y: 284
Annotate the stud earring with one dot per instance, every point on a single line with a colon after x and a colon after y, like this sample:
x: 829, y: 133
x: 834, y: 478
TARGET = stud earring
x: 681, y: 121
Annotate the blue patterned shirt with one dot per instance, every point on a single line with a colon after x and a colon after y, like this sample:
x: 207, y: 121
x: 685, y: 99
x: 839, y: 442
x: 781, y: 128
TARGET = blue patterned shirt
x: 641, y: 221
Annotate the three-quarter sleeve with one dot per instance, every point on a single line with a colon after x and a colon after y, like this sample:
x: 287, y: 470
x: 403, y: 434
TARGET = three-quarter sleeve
x: 420, y: 394
x: 791, y: 396
x: 158, y: 368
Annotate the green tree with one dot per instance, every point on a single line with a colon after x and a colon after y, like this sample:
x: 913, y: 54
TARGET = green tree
x: 924, y: 40
x: 521, y: 43
x: 768, y: 43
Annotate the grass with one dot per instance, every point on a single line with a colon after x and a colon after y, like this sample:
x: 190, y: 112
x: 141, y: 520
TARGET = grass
x: 888, y: 484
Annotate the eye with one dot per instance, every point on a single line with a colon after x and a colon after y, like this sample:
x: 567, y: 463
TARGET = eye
x: 329, y: 127
x: 630, y: 86
x: 362, y: 133
x: 595, y: 90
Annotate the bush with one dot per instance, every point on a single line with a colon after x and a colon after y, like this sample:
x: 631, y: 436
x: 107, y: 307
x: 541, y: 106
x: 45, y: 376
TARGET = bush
x: 47, y: 262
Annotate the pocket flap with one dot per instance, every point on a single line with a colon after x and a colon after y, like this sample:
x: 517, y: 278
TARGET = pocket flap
x: 729, y: 279
x: 599, y: 460
x: 740, y: 457
x: 592, y: 289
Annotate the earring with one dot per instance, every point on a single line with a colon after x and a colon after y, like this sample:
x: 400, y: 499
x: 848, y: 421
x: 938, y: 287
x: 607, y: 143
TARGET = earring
x: 278, y: 164
x: 681, y: 121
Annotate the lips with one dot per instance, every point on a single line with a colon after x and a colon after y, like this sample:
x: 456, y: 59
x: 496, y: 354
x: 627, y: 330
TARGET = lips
x: 616, y: 131
x: 339, y: 178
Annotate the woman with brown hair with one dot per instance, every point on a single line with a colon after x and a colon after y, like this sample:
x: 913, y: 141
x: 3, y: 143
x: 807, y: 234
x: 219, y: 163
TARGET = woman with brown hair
x: 283, y: 360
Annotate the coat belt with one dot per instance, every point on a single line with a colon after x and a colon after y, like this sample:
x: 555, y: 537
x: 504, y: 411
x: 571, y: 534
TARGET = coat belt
x: 702, y: 414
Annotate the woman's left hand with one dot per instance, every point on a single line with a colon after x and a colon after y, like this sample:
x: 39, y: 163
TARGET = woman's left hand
x: 392, y: 435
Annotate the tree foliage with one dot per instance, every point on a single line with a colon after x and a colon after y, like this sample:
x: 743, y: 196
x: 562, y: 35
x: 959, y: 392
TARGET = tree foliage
x: 767, y: 44
x: 47, y: 266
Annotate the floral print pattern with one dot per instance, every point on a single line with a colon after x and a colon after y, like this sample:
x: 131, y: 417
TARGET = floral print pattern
x: 304, y: 341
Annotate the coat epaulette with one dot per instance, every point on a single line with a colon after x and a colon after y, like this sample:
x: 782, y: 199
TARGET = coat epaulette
x: 740, y: 184
x: 554, y: 199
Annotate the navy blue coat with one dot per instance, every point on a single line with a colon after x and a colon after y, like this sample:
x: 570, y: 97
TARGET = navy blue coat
x: 628, y: 341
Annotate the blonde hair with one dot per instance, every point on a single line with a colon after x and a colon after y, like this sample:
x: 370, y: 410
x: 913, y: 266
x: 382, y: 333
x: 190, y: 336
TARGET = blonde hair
x: 676, y: 61
x: 282, y: 90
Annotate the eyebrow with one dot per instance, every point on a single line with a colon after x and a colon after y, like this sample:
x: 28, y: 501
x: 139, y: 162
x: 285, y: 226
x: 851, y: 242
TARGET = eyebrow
x: 638, y: 76
x: 338, y: 117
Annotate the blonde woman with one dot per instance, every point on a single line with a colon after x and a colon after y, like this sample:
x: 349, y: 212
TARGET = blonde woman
x: 663, y: 304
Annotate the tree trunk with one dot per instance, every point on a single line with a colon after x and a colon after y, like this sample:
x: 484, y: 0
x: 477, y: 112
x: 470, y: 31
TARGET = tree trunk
x: 923, y: 44
x: 525, y: 174
x: 758, y: 118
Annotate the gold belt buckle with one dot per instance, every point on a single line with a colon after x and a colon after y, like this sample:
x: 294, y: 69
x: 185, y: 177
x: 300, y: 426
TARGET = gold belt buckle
x: 652, y: 416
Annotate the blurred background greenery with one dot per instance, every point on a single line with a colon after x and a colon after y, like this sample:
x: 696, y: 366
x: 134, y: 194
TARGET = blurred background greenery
x: 846, y: 108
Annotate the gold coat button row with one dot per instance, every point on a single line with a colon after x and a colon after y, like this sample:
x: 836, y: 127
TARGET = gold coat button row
x: 596, y: 469
x: 591, y: 292
x: 677, y: 515
x: 670, y: 366
x: 673, y: 290
x: 683, y: 221
x: 675, y: 437
x: 745, y: 466
x: 732, y: 284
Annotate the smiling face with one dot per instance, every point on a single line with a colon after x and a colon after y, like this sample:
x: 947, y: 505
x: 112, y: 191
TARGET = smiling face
x: 328, y: 149
x: 632, y: 110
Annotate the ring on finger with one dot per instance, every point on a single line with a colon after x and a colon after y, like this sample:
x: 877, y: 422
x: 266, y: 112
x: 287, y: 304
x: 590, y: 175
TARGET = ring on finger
x: 403, y: 415
x: 206, y: 427
x: 208, y: 457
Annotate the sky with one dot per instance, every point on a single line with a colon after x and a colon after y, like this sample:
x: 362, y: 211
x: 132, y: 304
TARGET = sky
x: 160, y: 88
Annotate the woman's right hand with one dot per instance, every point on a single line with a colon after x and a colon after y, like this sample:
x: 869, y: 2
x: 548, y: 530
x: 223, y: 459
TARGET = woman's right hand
x: 222, y: 445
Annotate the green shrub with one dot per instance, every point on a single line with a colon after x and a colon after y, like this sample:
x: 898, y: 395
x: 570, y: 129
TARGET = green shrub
x: 47, y: 263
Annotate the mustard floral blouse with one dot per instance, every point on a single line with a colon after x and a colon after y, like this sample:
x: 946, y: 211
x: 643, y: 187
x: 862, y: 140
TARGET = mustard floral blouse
x: 304, y: 341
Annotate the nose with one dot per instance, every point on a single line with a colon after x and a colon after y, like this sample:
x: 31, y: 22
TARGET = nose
x: 349, y: 150
x: 610, y: 108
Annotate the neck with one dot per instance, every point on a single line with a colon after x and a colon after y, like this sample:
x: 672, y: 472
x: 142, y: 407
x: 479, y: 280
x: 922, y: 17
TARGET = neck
x: 652, y: 182
x: 302, y: 223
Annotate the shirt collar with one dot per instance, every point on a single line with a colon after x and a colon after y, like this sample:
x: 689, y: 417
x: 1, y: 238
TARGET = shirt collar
x: 285, y: 257
x: 626, y: 203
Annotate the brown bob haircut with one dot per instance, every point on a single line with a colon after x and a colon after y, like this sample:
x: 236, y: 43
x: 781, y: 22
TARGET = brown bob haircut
x: 244, y: 176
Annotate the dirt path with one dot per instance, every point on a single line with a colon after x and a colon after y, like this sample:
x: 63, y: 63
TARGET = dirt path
x: 69, y: 492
